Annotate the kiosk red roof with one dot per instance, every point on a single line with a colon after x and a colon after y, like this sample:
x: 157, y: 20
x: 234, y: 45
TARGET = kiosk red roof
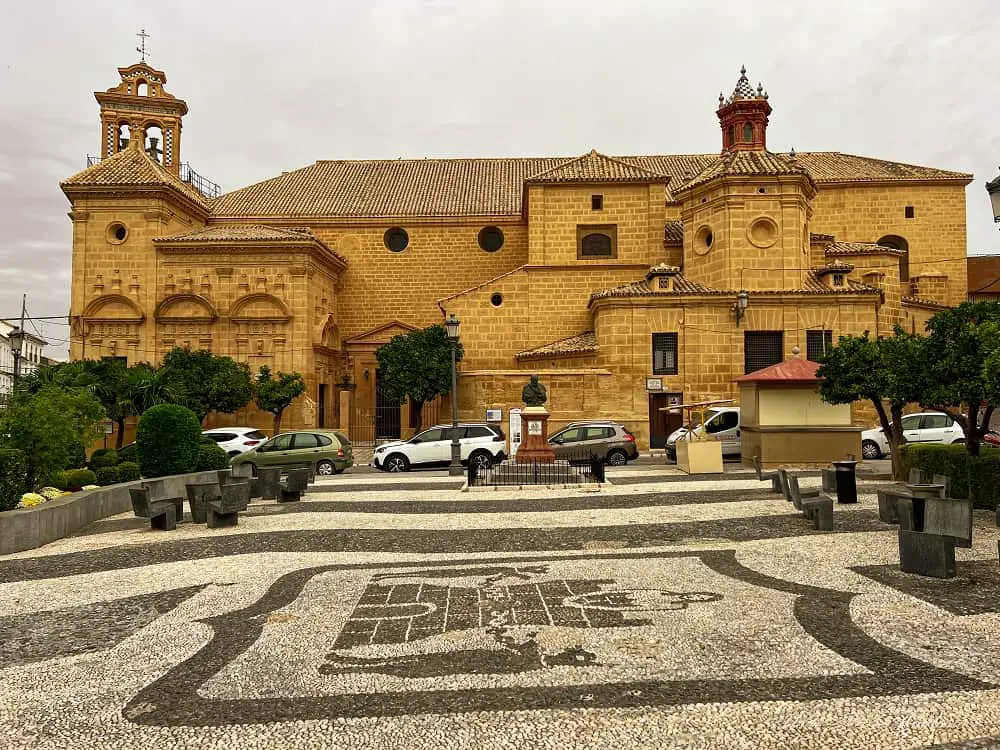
x: 789, y: 371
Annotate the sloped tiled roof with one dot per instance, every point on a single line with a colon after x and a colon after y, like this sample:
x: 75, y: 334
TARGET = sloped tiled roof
x: 490, y: 187
x: 596, y: 167
x: 919, y: 302
x: 683, y: 285
x: 747, y: 163
x: 582, y: 343
x: 673, y: 233
x: 860, y: 248
x: 129, y: 168
x: 793, y: 370
x: 251, y: 233
x: 239, y: 232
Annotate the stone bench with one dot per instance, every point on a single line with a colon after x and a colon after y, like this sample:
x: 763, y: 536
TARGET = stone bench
x: 294, y: 485
x: 764, y: 476
x: 269, y: 482
x: 829, y: 479
x: 888, y: 500
x: 929, y: 530
x: 817, y: 508
x: 225, y: 510
x: 168, y: 489
x: 199, y: 494
x: 244, y: 473
x: 162, y: 514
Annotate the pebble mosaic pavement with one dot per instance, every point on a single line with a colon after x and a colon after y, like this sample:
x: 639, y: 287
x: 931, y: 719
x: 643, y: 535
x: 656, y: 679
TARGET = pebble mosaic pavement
x: 385, y: 611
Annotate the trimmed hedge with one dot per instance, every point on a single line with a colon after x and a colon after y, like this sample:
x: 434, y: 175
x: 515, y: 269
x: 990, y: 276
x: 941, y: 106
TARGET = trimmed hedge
x: 129, y: 454
x: 977, y: 477
x: 167, y: 439
x: 13, y: 478
x: 103, y: 457
x: 107, y: 475
x: 128, y: 471
x: 73, y: 480
x: 211, y: 456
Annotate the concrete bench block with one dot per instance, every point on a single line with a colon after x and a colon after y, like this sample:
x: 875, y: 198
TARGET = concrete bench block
x: 829, y: 476
x: 947, y: 517
x: 199, y: 495
x: 820, y: 511
x: 926, y: 554
x: 269, y: 479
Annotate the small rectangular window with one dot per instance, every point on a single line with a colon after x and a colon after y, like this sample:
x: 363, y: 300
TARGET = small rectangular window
x: 908, y: 212
x: 761, y: 349
x: 664, y: 353
x: 818, y: 343
x: 596, y: 202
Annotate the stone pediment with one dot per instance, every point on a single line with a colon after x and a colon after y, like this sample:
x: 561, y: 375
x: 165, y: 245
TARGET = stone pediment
x: 186, y: 308
x: 113, y: 308
x: 381, y: 335
x: 260, y: 306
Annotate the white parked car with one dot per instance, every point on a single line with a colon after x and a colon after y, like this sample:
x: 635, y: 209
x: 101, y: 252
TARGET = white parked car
x: 721, y: 422
x: 235, y: 440
x: 925, y: 427
x: 483, y: 444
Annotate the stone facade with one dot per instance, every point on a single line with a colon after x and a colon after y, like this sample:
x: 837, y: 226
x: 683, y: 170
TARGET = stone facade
x: 313, y: 270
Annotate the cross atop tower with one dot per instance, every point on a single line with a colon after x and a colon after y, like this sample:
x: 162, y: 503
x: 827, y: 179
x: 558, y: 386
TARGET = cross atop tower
x: 141, y: 49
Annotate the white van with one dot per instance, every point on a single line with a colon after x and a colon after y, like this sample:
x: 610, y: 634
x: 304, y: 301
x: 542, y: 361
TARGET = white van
x: 721, y: 422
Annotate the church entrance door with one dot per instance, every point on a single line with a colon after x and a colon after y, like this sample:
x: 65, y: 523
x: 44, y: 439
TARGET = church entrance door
x: 662, y: 423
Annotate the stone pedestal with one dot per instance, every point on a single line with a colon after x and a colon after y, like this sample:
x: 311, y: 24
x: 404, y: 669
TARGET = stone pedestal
x: 535, y: 431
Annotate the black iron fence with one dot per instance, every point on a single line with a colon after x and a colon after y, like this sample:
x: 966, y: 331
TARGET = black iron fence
x: 585, y: 468
x: 370, y: 426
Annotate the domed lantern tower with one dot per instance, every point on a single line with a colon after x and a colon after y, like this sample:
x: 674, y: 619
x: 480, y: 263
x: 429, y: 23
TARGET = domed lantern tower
x: 743, y: 117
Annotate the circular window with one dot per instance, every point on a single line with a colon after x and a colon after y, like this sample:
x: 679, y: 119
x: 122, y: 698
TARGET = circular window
x: 703, y: 240
x: 117, y: 233
x: 490, y: 239
x: 763, y: 232
x: 396, y: 239
x: 497, y: 299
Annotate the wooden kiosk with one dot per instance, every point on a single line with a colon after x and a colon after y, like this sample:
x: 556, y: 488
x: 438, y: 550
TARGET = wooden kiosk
x: 701, y: 453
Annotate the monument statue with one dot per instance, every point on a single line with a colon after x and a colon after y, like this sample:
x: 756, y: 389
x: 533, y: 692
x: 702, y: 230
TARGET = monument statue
x: 533, y: 393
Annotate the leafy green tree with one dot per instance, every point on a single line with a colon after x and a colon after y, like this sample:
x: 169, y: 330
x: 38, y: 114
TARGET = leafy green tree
x: 49, y: 425
x: 274, y: 393
x: 417, y: 365
x: 886, y: 371
x: 960, y: 358
x: 207, y: 382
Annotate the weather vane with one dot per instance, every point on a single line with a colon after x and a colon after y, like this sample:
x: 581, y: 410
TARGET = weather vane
x: 141, y: 49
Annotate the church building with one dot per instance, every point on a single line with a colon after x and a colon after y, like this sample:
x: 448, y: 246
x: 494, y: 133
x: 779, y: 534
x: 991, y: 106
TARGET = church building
x: 627, y: 283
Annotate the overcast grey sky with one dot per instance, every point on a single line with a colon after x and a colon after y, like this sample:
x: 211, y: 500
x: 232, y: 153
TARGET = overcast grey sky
x: 273, y: 86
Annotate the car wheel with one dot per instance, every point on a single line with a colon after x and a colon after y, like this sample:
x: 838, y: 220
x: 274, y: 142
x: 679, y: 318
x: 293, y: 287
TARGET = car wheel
x: 870, y: 450
x: 617, y: 458
x: 325, y: 468
x: 397, y: 462
x: 481, y: 460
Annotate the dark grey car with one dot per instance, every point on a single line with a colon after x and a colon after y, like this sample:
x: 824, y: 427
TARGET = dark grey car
x: 611, y: 440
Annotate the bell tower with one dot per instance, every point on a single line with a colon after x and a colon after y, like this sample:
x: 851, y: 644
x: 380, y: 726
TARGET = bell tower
x: 139, y: 107
x: 743, y: 117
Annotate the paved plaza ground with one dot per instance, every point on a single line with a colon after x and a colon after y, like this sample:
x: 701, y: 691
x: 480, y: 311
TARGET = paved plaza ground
x: 387, y: 611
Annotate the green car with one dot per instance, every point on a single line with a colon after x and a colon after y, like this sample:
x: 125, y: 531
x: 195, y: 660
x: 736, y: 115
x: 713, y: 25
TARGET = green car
x: 327, y: 450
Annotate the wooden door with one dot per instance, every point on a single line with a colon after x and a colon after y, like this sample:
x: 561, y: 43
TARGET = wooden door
x: 662, y: 423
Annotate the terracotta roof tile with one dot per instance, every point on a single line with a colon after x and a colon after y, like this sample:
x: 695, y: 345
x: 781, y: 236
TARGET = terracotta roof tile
x: 911, y: 300
x: 860, y: 248
x: 490, y: 187
x: 673, y: 233
x: 817, y: 237
x: 747, y: 163
x: 131, y: 167
x: 254, y: 233
x: 789, y: 371
x: 596, y: 167
x: 582, y: 343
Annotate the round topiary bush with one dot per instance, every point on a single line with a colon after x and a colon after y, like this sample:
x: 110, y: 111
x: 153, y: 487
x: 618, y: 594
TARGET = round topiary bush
x: 128, y: 453
x: 76, y: 479
x: 102, y: 458
x: 13, y: 478
x: 128, y: 471
x: 167, y: 440
x: 211, y: 456
x: 107, y: 475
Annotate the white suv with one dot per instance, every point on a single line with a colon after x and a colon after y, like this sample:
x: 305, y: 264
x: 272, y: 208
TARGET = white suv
x: 482, y: 444
x: 235, y: 440
x: 925, y: 427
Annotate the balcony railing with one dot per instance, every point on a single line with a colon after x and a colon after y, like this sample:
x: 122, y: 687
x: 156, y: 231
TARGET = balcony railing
x: 202, y: 184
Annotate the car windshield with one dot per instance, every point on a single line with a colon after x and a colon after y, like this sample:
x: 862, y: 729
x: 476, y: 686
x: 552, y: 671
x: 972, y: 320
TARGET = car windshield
x: 710, y: 414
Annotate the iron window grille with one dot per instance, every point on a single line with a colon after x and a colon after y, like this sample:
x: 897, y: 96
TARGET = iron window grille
x: 664, y: 353
x: 761, y: 349
x: 818, y: 343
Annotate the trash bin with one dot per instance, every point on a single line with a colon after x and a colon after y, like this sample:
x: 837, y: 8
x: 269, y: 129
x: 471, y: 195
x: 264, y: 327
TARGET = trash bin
x: 847, y: 485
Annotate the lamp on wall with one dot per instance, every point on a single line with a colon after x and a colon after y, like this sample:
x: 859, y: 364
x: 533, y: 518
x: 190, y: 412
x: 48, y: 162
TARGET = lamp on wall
x: 993, y: 188
x: 16, y: 342
x: 740, y: 305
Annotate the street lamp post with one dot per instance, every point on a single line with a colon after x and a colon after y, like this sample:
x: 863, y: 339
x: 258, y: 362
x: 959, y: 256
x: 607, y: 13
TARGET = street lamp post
x: 993, y: 188
x: 455, y: 467
x: 16, y: 342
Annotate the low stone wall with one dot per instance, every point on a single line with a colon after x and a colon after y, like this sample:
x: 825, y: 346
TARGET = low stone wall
x: 28, y: 528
